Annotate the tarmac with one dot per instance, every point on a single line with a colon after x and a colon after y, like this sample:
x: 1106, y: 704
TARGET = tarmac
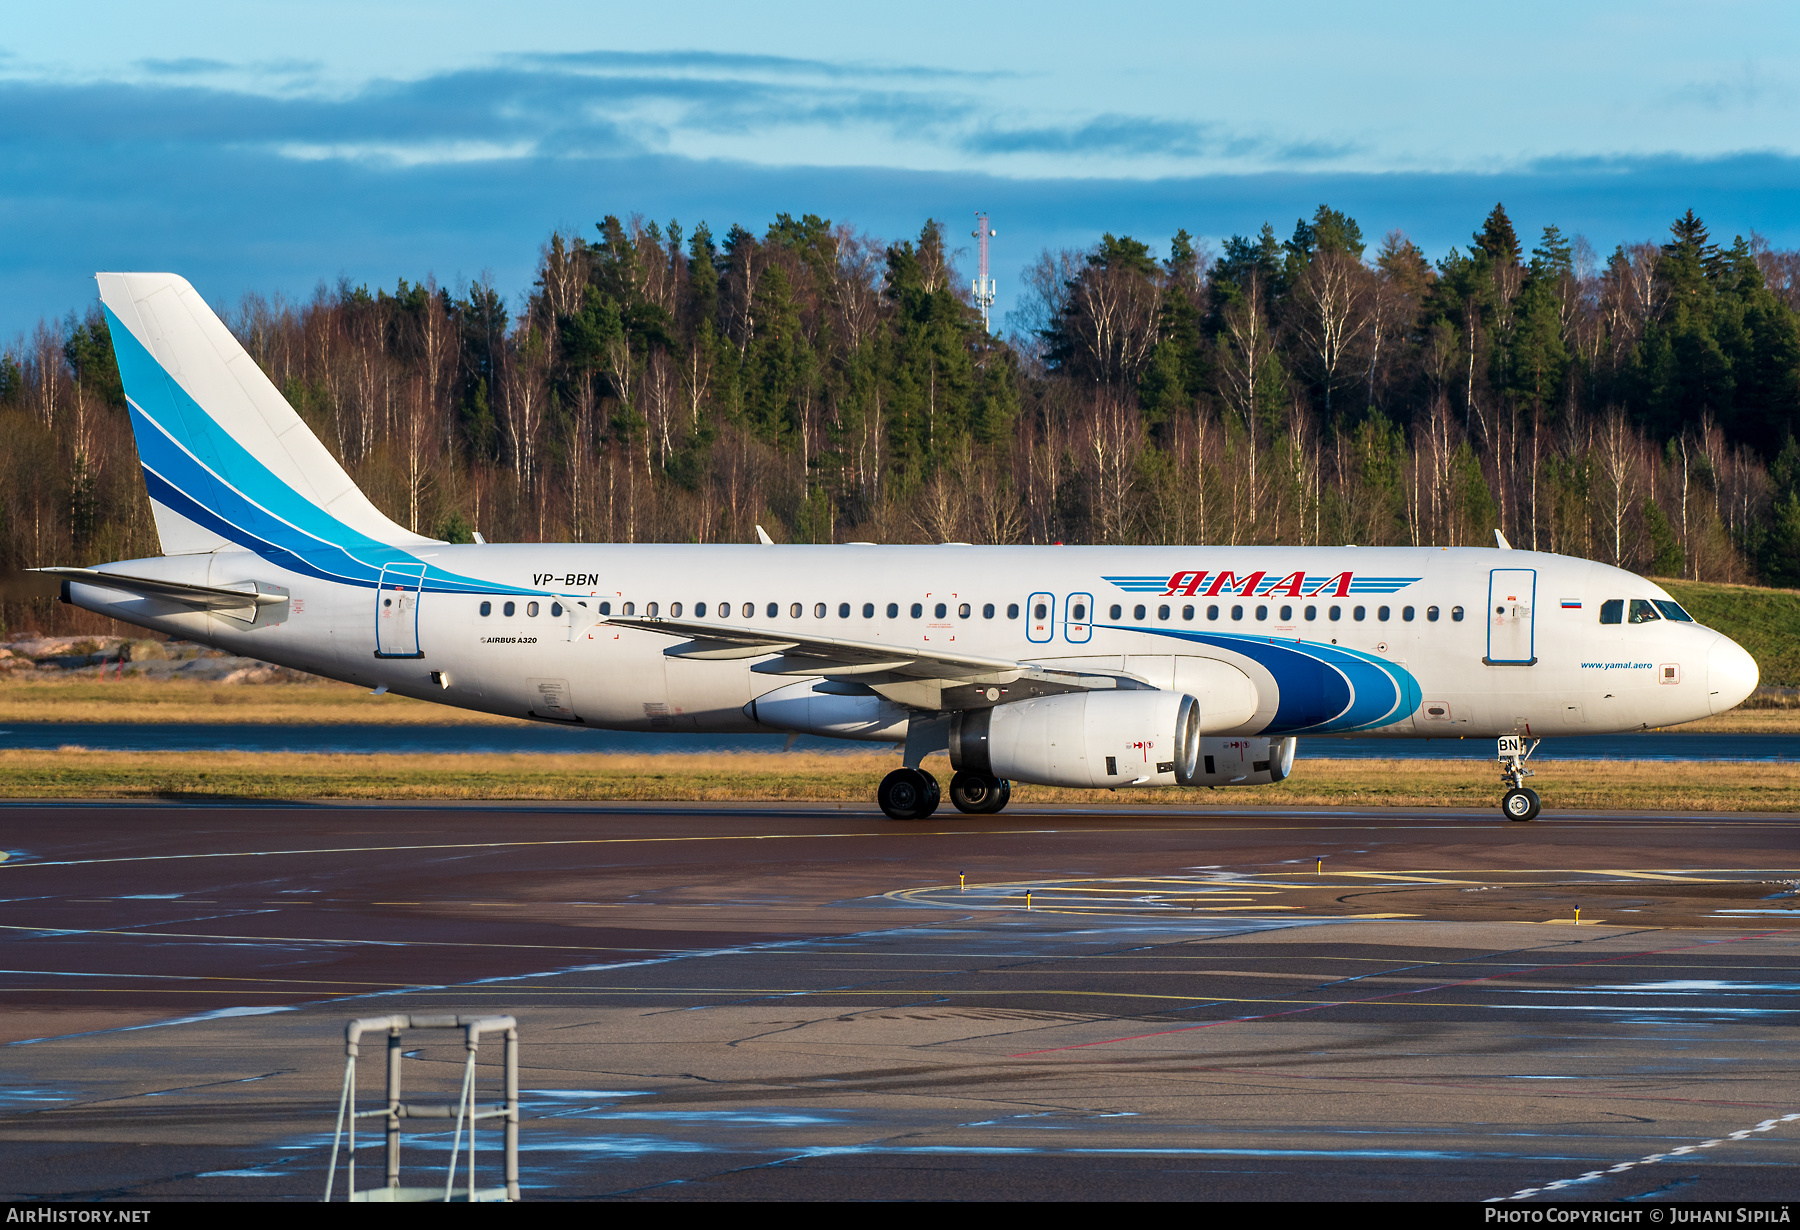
x: 777, y: 1002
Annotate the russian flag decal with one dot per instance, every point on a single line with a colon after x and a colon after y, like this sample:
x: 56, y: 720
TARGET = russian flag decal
x: 1569, y: 605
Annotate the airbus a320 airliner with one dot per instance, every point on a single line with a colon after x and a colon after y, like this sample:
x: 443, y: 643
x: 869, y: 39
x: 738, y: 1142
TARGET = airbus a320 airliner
x: 1097, y: 667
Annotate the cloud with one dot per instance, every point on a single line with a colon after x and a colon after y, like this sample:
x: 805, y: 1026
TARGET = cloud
x: 1741, y: 86
x: 717, y: 63
x: 765, y: 109
x: 1113, y: 134
x: 190, y: 66
x: 275, y: 188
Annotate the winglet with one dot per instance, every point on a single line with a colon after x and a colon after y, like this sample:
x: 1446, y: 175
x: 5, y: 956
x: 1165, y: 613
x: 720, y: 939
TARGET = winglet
x: 1500, y: 541
x: 762, y: 536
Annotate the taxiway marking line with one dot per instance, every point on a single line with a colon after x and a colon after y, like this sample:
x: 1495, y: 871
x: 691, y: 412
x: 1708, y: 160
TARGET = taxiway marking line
x: 1396, y: 994
x: 13, y: 864
x: 65, y: 932
x: 505, y: 988
x: 1741, y: 1134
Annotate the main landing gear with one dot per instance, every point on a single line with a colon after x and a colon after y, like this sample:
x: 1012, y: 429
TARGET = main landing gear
x: 1518, y: 803
x: 908, y: 794
x: 978, y: 794
x: 912, y: 794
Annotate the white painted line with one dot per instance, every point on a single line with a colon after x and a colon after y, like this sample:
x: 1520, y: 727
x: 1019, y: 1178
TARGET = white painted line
x: 1741, y: 1134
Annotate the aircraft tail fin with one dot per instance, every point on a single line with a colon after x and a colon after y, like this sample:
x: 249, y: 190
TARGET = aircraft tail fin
x: 228, y: 462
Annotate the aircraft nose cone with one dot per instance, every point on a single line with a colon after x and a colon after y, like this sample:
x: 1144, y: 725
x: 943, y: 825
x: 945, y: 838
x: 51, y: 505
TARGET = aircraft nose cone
x: 1731, y: 675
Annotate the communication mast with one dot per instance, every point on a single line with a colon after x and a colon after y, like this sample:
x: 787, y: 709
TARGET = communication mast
x: 984, y: 285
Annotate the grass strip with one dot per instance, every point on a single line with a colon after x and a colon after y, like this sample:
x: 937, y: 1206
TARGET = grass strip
x: 74, y: 773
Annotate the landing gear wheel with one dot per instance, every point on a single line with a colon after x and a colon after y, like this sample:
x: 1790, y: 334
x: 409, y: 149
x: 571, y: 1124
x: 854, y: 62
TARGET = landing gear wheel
x: 978, y: 794
x: 908, y: 794
x: 1521, y: 804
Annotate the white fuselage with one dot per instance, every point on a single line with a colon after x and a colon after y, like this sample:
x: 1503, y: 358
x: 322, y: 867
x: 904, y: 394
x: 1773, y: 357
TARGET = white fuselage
x: 1472, y: 642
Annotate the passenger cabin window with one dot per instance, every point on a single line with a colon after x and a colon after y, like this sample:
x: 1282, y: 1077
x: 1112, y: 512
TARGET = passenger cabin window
x: 844, y: 610
x: 606, y: 608
x: 1187, y: 613
x: 1162, y: 612
x: 1335, y: 613
x: 1456, y: 614
x: 1262, y: 612
x: 1312, y: 612
x: 1079, y: 612
x: 1115, y: 611
x: 1287, y: 613
x: 1237, y: 612
x: 1359, y: 613
x: 650, y: 609
x: 987, y: 610
x: 487, y: 608
x: 1431, y: 614
x: 868, y: 610
x: 793, y: 611
x: 1673, y: 610
x: 509, y: 608
x: 918, y: 610
x: 1642, y: 612
x: 819, y: 610
x: 1012, y: 610
x: 629, y: 608
x: 556, y: 610
x: 750, y: 610
x: 962, y: 612
x: 531, y: 609
x: 893, y: 610
x: 1212, y: 612
x: 1137, y: 612
x: 1040, y: 611
x: 1381, y: 613
x: 1406, y: 613
x: 699, y: 610
x: 939, y: 611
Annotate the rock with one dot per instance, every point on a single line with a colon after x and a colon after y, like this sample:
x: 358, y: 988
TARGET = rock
x: 145, y: 651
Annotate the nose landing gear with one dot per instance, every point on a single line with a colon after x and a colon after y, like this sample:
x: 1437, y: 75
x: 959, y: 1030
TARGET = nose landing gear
x: 1518, y: 803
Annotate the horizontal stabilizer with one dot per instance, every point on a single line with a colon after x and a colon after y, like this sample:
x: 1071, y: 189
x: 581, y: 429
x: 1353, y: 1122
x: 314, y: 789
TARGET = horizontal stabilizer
x: 200, y: 597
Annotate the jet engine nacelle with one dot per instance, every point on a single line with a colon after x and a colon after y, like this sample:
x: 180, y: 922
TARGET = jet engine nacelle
x: 804, y: 709
x: 1083, y: 739
x: 1245, y: 761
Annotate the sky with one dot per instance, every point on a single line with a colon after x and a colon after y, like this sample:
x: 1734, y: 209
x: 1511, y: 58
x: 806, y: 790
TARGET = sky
x: 269, y: 147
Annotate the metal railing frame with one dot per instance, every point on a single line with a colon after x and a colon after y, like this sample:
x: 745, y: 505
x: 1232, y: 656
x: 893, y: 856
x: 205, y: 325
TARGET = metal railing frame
x: 395, y: 1109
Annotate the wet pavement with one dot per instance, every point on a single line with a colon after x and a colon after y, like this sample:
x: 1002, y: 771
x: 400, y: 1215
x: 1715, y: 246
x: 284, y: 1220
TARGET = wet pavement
x: 778, y: 1002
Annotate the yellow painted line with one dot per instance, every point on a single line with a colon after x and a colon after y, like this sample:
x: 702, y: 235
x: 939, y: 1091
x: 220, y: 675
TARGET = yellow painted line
x: 1394, y: 877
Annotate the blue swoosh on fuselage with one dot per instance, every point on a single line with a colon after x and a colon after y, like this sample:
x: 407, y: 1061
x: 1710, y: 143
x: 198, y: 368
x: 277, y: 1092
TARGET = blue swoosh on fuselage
x: 1323, y: 689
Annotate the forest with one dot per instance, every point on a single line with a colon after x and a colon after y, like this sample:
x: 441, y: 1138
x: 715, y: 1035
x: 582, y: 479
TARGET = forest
x: 661, y: 384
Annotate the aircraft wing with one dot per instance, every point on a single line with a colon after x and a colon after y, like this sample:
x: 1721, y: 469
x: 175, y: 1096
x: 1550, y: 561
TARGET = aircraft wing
x: 924, y: 677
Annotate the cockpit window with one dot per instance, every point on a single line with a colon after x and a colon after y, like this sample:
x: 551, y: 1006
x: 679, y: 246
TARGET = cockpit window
x: 1612, y: 611
x: 1672, y: 610
x: 1643, y: 611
